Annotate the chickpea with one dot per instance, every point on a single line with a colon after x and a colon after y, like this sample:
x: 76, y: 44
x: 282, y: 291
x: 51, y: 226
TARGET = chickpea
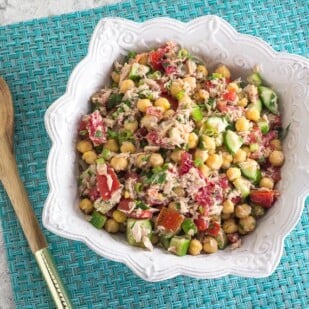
x: 209, y: 144
x: 223, y: 70
x: 143, y: 59
x: 227, y: 158
x: 190, y: 81
x: 205, y: 170
x: 233, y: 173
x: 127, y: 147
x: 115, y: 77
x: 126, y: 85
x: 150, y: 122
x: 119, y: 163
x: 276, y: 158
x: 156, y: 160
x: 233, y: 87
x: 246, y: 149
x: 179, y: 191
x: 185, y: 100
x: 176, y: 87
x: 267, y: 182
x: 192, y: 140
x: 176, y: 155
x: 143, y: 104
x: 214, y: 161
x: 173, y: 205
x: 253, y: 114
x: 276, y: 144
x: 225, y: 216
x: 242, y: 211
x: 257, y: 211
x: 195, y: 247
x: 242, y: 124
x: 201, y: 154
x: 89, y: 157
x: 230, y: 226
x: 210, y: 245
x: 141, y: 160
x: 240, y: 156
x: 169, y: 113
x: 202, y: 70
x: 228, y: 207
x: 131, y: 125
x: 119, y: 216
x: 86, y: 206
x: 111, y: 145
x: 84, y: 146
x: 247, y: 225
x: 242, y: 102
x: 112, y: 226
x: 203, y: 94
x: 162, y: 103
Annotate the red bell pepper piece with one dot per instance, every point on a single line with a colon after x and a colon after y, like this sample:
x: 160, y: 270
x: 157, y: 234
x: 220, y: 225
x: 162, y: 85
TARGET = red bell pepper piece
x: 102, y: 184
x: 230, y: 96
x: 213, y: 229
x: 265, y: 198
x: 170, y: 220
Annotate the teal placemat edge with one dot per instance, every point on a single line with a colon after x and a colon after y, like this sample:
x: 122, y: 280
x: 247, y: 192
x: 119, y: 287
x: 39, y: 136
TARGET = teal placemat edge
x: 42, y: 54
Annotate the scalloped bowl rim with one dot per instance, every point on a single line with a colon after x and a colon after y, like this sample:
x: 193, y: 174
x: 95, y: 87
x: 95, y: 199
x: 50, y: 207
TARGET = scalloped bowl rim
x: 146, y: 264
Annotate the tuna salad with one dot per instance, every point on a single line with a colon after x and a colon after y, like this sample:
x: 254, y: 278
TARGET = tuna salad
x: 177, y: 156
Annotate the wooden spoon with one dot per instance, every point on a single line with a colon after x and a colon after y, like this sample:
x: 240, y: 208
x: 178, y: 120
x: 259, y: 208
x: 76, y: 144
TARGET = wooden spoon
x: 19, y: 199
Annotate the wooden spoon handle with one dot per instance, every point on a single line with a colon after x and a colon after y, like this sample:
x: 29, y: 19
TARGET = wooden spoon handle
x: 18, y: 196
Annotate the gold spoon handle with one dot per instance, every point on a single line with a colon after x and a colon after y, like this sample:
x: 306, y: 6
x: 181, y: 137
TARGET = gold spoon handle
x: 25, y: 214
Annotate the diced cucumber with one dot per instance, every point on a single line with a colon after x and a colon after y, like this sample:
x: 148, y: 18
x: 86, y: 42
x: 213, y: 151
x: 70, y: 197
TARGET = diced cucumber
x: 215, y: 125
x: 136, y: 230
x: 263, y: 125
x: 179, y: 245
x: 243, y: 186
x: 221, y: 239
x: 165, y: 241
x: 269, y: 99
x: 98, y: 220
x: 256, y: 105
x: 250, y: 169
x: 255, y: 79
x: 196, y: 113
x: 189, y: 227
x: 232, y: 141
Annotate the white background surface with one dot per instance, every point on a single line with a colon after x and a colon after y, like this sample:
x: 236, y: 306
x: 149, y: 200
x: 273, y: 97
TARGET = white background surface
x: 12, y: 11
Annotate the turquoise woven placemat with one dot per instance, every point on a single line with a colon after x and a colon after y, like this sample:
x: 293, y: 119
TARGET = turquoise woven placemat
x: 36, y: 59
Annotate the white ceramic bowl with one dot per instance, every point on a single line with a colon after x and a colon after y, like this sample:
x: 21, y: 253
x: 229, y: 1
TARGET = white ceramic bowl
x: 215, y: 41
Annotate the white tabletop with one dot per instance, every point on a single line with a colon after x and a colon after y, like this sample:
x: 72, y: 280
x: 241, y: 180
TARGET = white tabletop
x: 12, y: 11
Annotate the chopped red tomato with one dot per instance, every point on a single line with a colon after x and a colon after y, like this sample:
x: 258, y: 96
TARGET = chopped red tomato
x: 201, y: 224
x: 230, y: 96
x: 105, y: 188
x: 96, y: 128
x: 185, y: 163
x: 265, y: 198
x: 170, y: 220
x: 156, y: 58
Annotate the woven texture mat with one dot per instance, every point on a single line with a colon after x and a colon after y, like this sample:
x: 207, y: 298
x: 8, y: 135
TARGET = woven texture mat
x: 36, y: 59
